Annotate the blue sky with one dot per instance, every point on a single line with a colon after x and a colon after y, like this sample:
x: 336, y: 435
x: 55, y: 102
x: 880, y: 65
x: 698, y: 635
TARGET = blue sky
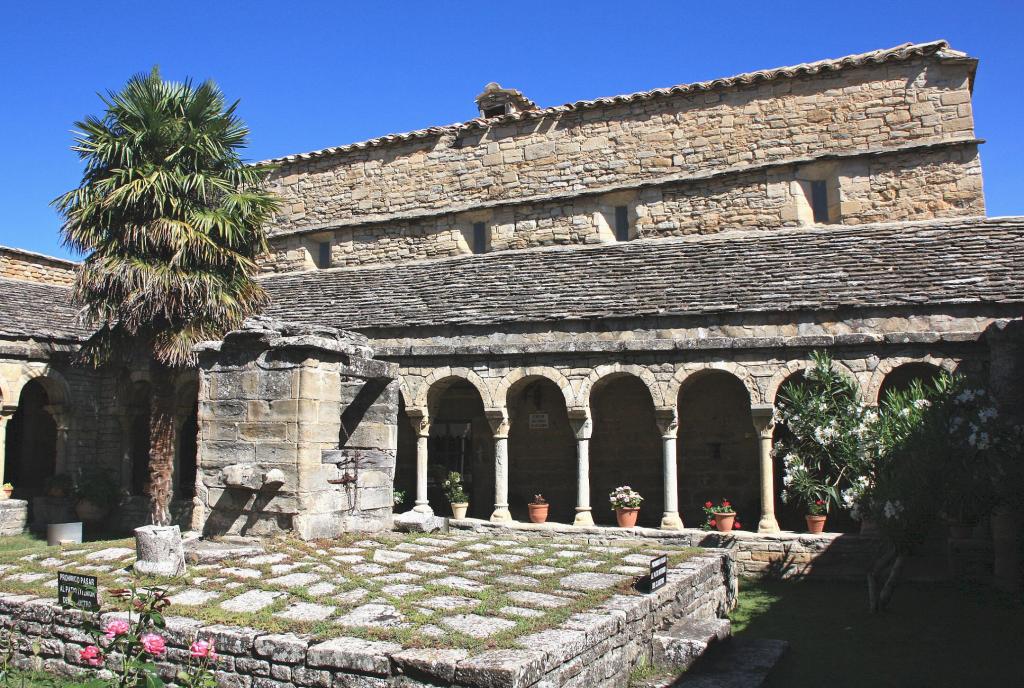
x: 311, y: 74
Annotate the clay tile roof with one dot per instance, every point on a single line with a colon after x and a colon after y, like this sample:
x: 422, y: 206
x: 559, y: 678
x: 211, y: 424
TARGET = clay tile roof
x: 966, y: 260
x: 907, y: 51
x: 39, y: 311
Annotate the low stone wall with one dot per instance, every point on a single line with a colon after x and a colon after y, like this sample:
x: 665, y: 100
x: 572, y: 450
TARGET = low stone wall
x: 13, y: 516
x: 828, y: 556
x: 593, y: 649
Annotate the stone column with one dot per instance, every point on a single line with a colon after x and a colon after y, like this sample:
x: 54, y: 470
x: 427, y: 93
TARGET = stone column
x: 668, y: 424
x: 63, y: 422
x: 421, y: 426
x: 499, y: 421
x: 764, y: 423
x: 582, y: 427
x: 6, y: 413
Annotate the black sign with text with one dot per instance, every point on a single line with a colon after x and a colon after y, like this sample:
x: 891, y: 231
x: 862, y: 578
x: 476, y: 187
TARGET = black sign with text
x: 77, y: 590
x: 659, y: 572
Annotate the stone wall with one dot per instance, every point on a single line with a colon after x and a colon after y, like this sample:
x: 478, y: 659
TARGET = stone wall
x: 297, y: 433
x: 34, y: 267
x: 922, y: 100
x: 597, y: 649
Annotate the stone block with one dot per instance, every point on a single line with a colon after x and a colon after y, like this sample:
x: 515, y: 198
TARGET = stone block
x: 353, y: 654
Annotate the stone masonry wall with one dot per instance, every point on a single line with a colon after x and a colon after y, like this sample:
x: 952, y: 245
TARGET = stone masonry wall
x: 297, y: 433
x: 33, y: 267
x: 597, y: 649
x: 923, y: 100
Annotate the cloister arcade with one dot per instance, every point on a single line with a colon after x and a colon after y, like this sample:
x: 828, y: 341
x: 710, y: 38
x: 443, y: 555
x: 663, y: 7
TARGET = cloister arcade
x: 680, y: 435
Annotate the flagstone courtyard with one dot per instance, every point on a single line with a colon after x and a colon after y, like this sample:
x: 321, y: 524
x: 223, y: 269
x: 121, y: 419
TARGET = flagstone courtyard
x: 452, y: 590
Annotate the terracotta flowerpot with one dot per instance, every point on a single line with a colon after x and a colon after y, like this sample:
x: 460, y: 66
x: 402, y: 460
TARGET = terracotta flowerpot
x: 724, y: 521
x: 538, y: 512
x: 815, y: 524
x: 626, y: 516
x: 89, y: 512
x: 459, y: 509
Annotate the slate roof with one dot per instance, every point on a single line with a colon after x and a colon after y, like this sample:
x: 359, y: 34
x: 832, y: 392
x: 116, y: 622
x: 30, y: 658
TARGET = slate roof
x: 967, y: 260
x: 40, y: 311
x: 906, y: 51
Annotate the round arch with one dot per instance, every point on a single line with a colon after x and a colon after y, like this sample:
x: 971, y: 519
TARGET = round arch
x: 58, y: 391
x: 790, y: 368
x: 685, y: 376
x: 604, y: 372
x: 518, y: 377
x: 444, y: 376
x: 888, y: 365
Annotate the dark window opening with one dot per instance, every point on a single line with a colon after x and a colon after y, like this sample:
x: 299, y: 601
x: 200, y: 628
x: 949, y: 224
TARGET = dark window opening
x: 819, y: 202
x: 496, y: 111
x: 621, y: 223
x: 479, y: 237
x: 323, y: 254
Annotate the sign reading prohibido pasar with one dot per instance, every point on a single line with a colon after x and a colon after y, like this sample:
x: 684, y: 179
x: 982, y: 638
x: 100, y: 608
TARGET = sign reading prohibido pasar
x: 77, y: 590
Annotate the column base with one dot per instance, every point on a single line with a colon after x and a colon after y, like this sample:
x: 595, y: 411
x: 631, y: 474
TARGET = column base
x: 501, y: 515
x: 768, y: 524
x: 583, y: 517
x: 671, y: 521
x: 423, y: 509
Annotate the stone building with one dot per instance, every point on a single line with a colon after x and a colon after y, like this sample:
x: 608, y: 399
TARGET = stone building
x: 606, y: 292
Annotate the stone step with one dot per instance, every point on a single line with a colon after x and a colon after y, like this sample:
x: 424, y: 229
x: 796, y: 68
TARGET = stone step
x: 735, y: 664
x: 684, y: 642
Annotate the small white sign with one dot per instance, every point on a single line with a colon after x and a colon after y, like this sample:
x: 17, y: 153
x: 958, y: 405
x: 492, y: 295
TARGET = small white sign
x: 538, y: 421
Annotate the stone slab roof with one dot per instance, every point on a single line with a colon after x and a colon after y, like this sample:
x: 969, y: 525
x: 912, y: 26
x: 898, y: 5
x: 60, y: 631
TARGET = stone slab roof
x: 906, y: 51
x: 964, y: 260
x: 37, y: 310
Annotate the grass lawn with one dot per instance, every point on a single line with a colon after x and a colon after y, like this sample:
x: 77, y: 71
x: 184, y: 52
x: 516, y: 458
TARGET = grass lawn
x: 932, y: 635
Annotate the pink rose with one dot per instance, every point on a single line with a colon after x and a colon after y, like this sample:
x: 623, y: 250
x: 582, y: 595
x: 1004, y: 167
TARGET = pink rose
x: 153, y: 644
x: 91, y: 655
x: 203, y: 648
x: 115, y: 628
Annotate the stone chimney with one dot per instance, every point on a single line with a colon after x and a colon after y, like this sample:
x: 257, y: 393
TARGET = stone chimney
x: 496, y: 101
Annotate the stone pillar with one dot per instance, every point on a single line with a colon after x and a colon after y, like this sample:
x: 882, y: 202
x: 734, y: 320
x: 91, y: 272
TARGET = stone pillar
x: 583, y: 428
x: 499, y: 421
x: 668, y: 424
x: 63, y: 422
x: 6, y: 413
x: 421, y: 426
x: 764, y: 423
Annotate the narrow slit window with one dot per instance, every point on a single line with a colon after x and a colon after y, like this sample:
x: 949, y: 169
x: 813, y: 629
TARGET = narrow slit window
x: 621, y: 223
x: 819, y: 202
x: 323, y: 255
x: 479, y: 237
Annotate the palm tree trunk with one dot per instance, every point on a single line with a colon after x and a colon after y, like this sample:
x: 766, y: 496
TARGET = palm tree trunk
x: 161, y: 448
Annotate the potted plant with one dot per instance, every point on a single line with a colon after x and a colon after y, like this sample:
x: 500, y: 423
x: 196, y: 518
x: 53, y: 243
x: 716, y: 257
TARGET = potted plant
x: 8, y: 489
x: 721, y: 517
x: 97, y: 495
x: 817, y: 512
x: 626, y: 502
x: 59, y: 485
x: 538, y: 509
x: 456, y: 494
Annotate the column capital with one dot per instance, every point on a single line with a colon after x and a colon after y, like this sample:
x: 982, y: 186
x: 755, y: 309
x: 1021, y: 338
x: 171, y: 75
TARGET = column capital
x: 61, y: 418
x: 582, y: 425
x: 667, y: 418
x: 499, y: 421
x: 6, y: 411
x: 420, y: 421
x: 763, y: 416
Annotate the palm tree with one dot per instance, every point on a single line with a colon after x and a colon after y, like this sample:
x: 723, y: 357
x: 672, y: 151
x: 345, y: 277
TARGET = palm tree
x: 171, y: 220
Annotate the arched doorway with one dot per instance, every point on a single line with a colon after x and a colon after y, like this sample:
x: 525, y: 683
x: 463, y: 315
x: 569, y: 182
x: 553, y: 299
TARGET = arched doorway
x: 790, y: 515
x: 902, y: 377
x: 625, y: 447
x: 542, y: 450
x: 31, y: 447
x: 718, y: 447
x: 460, y: 440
